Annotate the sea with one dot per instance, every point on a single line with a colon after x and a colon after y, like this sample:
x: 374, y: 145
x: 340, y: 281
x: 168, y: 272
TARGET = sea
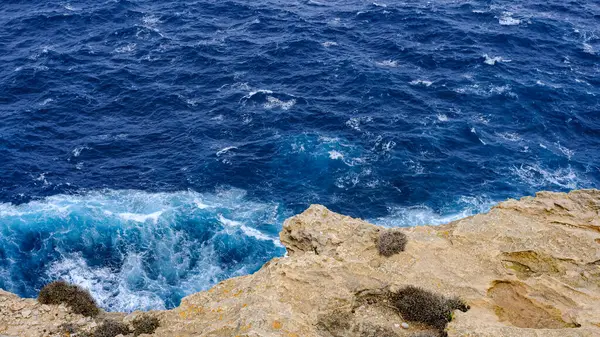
x: 150, y: 149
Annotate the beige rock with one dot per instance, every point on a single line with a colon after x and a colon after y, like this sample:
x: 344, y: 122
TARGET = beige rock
x: 527, y: 268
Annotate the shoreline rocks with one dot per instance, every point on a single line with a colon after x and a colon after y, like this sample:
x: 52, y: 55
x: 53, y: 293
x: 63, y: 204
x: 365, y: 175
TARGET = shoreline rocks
x: 528, y: 267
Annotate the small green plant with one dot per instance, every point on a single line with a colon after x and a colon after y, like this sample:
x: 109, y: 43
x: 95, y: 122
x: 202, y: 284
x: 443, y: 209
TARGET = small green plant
x: 78, y: 299
x: 391, y: 242
x: 145, y: 324
x: 111, y: 328
x: 419, y: 305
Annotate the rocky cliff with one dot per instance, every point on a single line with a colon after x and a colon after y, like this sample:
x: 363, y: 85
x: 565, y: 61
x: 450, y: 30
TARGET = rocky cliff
x: 526, y: 268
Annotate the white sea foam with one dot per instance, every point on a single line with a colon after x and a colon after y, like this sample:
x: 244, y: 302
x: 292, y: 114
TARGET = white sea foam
x: 507, y: 20
x: 356, y: 122
x: 492, y: 60
x: 488, y: 91
x: 156, y: 252
x: 193, y: 101
x: 582, y: 81
x: 229, y: 222
x: 225, y: 150
x: 588, y: 48
x: 47, y: 101
x: 257, y: 91
x: 335, y: 22
x: 509, y: 136
x: 200, y: 204
x: 141, y: 217
x: 537, y: 176
x: 421, y: 82
x: 42, y: 178
x: 248, y: 231
x: 400, y: 216
x: 273, y: 102
x: 387, y: 63
x: 415, y: 166
x: 567, y: 152
x: 335, y: 155
x: 150, y: 20
x: 328, y: 44
x: 126, y: 48
x: 442, y: 117
x: 77, y: 151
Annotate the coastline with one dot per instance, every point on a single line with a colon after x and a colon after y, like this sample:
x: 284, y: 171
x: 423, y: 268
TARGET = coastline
x: 527, y: 267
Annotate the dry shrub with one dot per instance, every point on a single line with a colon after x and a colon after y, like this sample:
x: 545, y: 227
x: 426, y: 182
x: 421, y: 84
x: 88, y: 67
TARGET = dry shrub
x: 111, y: 328
x: 419, y: 305
x: 78, y: 299
x: 145, y: 324
x: 391, y: 242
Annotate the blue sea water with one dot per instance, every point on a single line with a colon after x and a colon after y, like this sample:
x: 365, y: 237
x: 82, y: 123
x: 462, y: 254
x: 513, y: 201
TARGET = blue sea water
x: 150, y: 149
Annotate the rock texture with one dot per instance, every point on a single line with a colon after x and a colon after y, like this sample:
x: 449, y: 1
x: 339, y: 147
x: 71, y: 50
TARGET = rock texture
x: 526, y: 268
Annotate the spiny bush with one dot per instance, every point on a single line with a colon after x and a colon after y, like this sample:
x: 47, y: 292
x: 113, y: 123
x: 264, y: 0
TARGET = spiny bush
x: 111, y: 328
x: 78, y: 299
x: 145, y: 324
x: 419, y: 305
x: 391, y: 242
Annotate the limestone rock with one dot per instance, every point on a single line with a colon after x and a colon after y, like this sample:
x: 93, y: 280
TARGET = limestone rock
x: 526, y: 268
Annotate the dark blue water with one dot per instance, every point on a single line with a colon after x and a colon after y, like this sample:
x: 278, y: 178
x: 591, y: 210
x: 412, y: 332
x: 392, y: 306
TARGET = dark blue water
x: 151, y: 149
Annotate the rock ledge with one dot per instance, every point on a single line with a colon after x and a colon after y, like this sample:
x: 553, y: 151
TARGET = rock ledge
x: 526, y: 268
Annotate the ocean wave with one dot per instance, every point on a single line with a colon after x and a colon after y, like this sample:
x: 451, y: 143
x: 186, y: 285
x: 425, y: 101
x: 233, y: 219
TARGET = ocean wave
x: 492, y: 60
x: 273, y: 102
x: 424, y: 83
x: 487, y: 91
x: 539, y: 177
x: 136, y: 250
x: 509, y: 136
x: 507, y: 19
x: 419, y: 215
x: 387, y: 63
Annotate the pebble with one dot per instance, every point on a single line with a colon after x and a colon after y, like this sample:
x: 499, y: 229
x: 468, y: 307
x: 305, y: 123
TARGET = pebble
x: 26, y: 313
x: 405, y: 325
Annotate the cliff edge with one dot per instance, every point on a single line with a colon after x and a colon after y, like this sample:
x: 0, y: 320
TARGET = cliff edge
x: 528, y: 267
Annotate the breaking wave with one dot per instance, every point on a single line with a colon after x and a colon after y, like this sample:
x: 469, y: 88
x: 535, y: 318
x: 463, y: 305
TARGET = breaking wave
x: 136, y: 250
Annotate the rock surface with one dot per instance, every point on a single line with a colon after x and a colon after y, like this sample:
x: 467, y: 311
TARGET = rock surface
x: 526, y: 268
